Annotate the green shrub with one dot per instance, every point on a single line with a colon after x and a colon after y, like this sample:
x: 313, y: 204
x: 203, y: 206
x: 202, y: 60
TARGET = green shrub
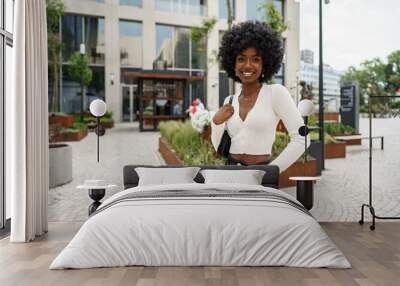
x: 58, y: 114
x: 312, y: 120
x: 281, y: 141
x: 327, y: 138
x: 338, y: 128
x: 92, y: 119
x: 363, y: 109
x: 78, y: 125
x: 108, y: 115
x: 193, y: 150
x: 187, y: 143
x: 395, y: 104
x: 74, y: 128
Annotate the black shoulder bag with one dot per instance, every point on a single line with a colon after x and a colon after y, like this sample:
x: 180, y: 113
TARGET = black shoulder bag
x: 225, y: 144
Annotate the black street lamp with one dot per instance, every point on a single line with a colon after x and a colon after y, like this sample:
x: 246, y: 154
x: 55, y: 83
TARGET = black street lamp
x: 82, y: 52
x: 321, y: 86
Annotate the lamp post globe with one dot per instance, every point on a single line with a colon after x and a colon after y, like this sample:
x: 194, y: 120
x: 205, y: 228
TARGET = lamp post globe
x: 98, y: 107
x: 306, y: 107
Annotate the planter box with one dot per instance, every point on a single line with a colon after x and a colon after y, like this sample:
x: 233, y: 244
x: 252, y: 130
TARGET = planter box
x: 108, y: 125
x: 281, y: 127
x: 167, y: 153
x: 335, y: 150
x: 64, y: 121
x: 330, y: 116
x: 297, y: 169
x: 349, y: 139
x: 74, y: 136
x: 60, y: 164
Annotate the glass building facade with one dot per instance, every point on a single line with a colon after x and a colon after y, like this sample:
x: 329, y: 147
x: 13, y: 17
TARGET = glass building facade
x: 130, y: 43
x: 223, y: 9
x: 77, y: 29
x: 123, y: 43
x: 254, y: 13
x: 176, y: 50
x: 134, y: 3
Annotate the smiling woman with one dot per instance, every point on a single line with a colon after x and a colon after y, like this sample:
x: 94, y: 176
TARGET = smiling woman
x: 251, y: 53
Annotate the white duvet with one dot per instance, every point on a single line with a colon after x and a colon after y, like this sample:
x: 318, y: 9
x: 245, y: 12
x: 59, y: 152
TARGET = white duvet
x: 200, y: 231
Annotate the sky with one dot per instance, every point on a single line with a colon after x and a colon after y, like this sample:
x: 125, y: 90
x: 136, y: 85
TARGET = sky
x: 353, y: 30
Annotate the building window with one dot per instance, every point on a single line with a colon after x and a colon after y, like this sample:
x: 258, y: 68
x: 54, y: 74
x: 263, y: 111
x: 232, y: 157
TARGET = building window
x: 279, y: 6
x: 6, y: 65
x: 71, y: 90
x: 130, y: 43
x: 254, y: 14
x: 135, y: 3
x: 223, y: 9
x: 95, y: 1
x: 187, y: 7
x: 279, y: 77
x: 77, y: 29
x: 175, y: 49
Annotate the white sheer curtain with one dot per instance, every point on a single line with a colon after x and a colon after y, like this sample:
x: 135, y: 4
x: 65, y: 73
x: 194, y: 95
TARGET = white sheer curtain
x: 27, y: 121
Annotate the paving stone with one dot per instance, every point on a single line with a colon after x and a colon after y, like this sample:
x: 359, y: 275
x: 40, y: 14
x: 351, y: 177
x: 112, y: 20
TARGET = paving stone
x: 338, y: 195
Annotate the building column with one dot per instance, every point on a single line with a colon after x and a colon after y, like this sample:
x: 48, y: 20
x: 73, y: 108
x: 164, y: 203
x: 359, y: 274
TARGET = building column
x: 292, y: 57
x: 212, y: 66
x: 112, y: 59
x: 149, y: 34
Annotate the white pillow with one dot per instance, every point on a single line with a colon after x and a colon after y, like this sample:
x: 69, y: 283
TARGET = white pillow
x: 164, y: 176
x: 248, y: 177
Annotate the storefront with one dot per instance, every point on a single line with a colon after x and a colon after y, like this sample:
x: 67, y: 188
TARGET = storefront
x: 159, y: 96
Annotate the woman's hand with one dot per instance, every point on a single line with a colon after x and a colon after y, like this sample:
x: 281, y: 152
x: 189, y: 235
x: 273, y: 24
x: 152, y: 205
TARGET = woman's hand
x: 223, y: 114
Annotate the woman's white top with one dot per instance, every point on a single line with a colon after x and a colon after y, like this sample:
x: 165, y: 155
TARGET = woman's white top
x: 256, y: 134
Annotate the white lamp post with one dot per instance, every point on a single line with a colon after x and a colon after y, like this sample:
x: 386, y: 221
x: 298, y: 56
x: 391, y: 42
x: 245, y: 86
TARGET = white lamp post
x: 306, y: 108
x: 98, y: 108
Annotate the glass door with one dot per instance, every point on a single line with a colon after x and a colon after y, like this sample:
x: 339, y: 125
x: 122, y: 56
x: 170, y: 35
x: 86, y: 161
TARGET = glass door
x: 129, y: 107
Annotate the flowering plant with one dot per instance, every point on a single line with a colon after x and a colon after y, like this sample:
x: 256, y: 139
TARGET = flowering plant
x: 200, y: 117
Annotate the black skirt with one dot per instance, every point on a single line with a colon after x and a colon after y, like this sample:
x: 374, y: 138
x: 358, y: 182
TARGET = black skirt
x: 232, y: 161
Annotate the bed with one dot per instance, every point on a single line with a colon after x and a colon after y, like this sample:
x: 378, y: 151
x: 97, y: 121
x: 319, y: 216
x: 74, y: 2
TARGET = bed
x: 201, y: 224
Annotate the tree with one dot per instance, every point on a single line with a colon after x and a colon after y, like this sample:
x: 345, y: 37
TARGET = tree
x: 393, y: 72
x: 54, y: 10
x: 80, y: 71
x: 377, y: 78
x: 273, y: 17
x: 230, y: 13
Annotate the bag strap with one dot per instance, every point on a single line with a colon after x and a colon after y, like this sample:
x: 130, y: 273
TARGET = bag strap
x: 225, y: 127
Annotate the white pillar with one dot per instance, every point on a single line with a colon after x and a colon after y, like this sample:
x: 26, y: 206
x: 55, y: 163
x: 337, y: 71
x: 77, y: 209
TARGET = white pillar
x: 292, y: 57
x: 149, y: 34
x: 112, y: 59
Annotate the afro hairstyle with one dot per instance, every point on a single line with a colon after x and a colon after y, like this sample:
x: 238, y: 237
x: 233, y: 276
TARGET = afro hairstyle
x: 258, y: 35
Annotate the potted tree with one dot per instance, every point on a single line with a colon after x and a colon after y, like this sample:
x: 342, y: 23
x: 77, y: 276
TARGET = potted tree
x: 80, y: 71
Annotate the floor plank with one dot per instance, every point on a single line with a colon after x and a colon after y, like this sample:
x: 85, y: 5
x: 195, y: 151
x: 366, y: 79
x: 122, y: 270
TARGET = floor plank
x: 374, y: 255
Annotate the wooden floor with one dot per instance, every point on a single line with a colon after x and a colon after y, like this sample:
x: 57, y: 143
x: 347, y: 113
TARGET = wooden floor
x: 374, y: 255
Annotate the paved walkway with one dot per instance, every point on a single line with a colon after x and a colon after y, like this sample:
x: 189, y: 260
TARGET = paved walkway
x: 338, y: 195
